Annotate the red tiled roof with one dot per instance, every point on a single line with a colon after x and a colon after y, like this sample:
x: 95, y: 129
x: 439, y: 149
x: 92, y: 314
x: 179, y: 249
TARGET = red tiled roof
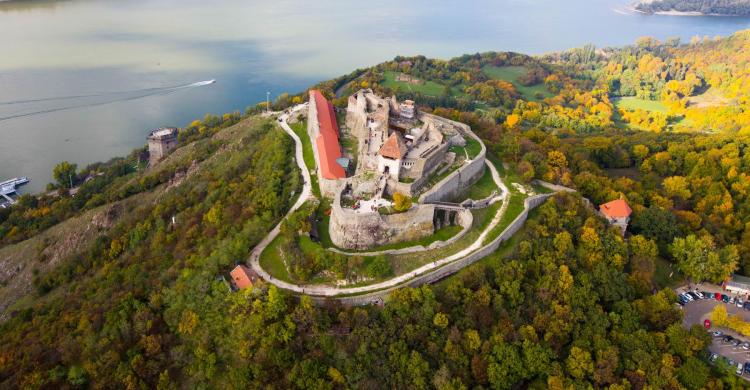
x: 393, y: 147
x: 328, y: 140
x: 243, y: 277
x: 616, y: 209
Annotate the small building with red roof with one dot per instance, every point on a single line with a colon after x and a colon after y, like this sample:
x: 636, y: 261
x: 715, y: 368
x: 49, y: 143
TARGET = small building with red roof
x: 617, y: 213
x: 243, y: 277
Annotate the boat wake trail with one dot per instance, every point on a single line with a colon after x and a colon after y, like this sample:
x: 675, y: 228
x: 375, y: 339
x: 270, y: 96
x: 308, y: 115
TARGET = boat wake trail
x: 104, y: 94
x: 139, y: 94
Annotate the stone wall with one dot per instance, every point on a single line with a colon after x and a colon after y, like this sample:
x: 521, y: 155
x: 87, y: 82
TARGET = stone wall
x: 449, y: 269
x: 463, y: 177
x: 362, y: 230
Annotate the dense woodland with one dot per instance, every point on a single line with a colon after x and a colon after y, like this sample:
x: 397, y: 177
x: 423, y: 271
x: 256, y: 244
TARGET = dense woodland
x: 706, y: 7
x: 570, y: 303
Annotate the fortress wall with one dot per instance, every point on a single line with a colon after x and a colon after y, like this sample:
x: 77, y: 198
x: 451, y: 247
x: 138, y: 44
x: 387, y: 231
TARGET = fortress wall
x: 463, y: 177
x: 352, y: 230
x: 529, y: 204
x: 456, y: 182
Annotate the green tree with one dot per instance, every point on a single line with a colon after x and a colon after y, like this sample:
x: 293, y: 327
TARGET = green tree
x: 693, y: 374
x: 380, y: 266
x: 65, y: 174
x: 699, y: 259
x: 579, y: 363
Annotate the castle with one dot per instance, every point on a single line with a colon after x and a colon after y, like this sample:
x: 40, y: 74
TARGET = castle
x: 399, y: 149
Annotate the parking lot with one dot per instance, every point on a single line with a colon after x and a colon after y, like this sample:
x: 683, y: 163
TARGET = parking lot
x: 697, y: 311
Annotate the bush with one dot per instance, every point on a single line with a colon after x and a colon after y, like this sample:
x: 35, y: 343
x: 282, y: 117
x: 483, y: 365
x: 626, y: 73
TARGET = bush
x: 401, y: 202
x: 379, y: 267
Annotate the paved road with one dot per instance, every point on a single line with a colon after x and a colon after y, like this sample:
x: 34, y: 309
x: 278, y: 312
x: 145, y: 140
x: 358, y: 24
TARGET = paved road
x: 697, y: 311
x: 331, y: 291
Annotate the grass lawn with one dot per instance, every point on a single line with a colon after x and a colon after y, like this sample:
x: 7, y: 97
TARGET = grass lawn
x: 634, y: 103
x: 300, y: 129
x: 473, y: 147
x: 481, y: 189
x: 409, y: 261
x: 272, y: 262
x: 662, y: 272
x: 515, y: 207
x: 429, y: 88
x: 511, y: 74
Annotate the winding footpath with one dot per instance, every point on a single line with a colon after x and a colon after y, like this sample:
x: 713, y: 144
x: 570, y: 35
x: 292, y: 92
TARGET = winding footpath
x: 332, y: 291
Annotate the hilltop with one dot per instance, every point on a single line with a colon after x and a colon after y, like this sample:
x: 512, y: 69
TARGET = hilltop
x: 125, y: 283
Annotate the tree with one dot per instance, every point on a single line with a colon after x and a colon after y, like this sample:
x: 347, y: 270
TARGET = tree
x: 401, y: 202
x: 579, y: 363
x: 379, y: 267
x: 656, y: 223
x: 65, y: 173
x: 640, y: 152
x: 699, y: 259
x: 677, y: 187
x: 512, y: 121
x: 693, y: 374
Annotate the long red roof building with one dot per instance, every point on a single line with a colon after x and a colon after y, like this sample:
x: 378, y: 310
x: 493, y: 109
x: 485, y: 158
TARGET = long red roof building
x: 327, y: 142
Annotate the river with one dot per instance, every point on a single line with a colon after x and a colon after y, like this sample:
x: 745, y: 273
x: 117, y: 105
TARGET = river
x: 86, y: 80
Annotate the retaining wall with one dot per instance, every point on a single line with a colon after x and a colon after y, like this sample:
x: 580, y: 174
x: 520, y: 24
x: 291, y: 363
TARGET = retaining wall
x: 449, y: 269
x: 361, y: 230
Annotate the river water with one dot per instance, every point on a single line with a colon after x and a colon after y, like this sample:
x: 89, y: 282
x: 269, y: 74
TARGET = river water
x: 86, y: 80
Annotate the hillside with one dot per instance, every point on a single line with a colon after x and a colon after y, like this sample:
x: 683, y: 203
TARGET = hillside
x: 703, y: 7
x: 124, y: 285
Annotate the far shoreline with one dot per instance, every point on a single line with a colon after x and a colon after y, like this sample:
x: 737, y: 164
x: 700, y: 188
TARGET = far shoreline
x: 673, y: 12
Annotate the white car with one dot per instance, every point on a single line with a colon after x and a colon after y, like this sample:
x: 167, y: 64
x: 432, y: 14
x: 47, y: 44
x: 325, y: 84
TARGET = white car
x: 687, y: 296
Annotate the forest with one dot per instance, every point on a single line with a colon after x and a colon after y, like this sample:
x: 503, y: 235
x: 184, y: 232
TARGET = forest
x: 567, y: 303
x: 706, y: 7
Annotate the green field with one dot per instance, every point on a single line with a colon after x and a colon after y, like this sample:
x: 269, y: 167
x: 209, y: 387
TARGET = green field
x: 481, y: 189
x: 429, y: 88
x: 634, y: 103
x: 511, y: 74
x: 471, y: 150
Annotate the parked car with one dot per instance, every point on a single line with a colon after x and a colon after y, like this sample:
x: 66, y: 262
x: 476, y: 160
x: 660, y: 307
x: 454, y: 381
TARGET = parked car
x: 746, y: 305
x: 725, y: 298
x: 713, y: 358
x: 735, y: 343
x: 747, y: 367
x: 745, y: 345
x: 693, y: 295
x: 707, y: 323
x: 718, y: 296
x: 739, y: 302
x: 717, y: 333
x: 727, y: 339
x: 707, y: 295
x: 739, y: 369
x: 731, y: 300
